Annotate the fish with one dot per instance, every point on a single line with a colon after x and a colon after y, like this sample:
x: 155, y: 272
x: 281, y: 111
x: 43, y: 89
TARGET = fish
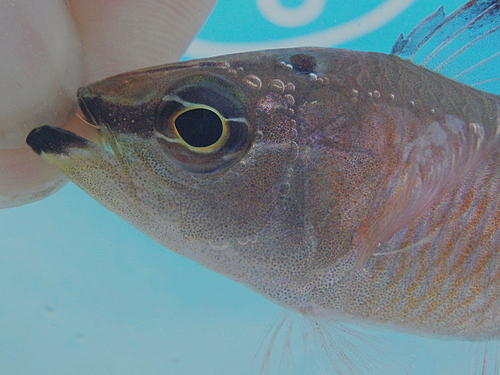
x: 346, y: 186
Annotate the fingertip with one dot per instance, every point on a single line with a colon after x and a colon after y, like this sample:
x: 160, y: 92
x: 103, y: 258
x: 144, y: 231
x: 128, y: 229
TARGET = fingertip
x: 119, y: 36
x: 26, y: 177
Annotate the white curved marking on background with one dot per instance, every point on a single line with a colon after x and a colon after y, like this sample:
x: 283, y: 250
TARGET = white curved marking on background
x: 327, y: 38
x: 274, y: 12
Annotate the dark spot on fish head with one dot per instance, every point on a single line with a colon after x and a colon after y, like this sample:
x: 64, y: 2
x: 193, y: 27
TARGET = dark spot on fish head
x: 303, y: 63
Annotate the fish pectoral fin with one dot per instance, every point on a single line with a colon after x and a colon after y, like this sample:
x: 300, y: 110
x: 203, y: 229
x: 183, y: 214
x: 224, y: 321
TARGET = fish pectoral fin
x: 383, y: 250
x: 464, y: 45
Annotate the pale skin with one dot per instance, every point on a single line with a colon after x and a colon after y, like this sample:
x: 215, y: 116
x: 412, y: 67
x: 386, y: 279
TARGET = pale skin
x: 51, y: 47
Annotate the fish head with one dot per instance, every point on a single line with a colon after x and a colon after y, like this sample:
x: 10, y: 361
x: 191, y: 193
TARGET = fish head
x: 194, y: 154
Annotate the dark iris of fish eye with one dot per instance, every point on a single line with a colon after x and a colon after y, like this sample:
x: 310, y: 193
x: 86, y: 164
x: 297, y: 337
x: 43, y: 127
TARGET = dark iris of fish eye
x: 199, y: 127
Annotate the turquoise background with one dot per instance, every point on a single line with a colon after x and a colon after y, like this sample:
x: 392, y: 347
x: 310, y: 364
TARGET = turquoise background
x: 82, y: 292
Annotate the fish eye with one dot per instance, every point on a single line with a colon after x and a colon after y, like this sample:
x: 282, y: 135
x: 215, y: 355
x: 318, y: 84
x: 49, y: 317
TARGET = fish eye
x: 202, y: 124
x: 199, y: 127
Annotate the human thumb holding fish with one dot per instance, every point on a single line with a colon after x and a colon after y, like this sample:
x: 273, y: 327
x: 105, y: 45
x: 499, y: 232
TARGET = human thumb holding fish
x: 51, y: 47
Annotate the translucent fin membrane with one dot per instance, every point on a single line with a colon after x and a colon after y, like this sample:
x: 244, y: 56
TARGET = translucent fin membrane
x: 464, y: 46
x: 307, y: 345
x: 485, y: 359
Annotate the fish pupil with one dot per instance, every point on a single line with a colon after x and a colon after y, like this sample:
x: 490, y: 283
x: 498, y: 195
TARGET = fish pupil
x: 199, y: 127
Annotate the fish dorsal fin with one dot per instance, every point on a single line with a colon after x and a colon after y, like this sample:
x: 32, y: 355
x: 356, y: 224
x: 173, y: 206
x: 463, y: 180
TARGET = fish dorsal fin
x: 464, y: 45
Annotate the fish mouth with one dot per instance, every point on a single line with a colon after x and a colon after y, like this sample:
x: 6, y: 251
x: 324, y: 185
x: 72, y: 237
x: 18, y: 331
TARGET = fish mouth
x: 54, y: 140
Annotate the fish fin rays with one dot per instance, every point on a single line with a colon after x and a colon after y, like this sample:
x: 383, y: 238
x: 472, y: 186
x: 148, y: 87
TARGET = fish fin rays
x: 406, y: 48
x: 381, y: 251
x: 485, y: 358
x: 464, y: 45
x: 299, y: 344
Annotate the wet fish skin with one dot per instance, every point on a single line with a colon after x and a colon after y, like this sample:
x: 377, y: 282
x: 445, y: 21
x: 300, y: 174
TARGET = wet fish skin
x: 366, y: 188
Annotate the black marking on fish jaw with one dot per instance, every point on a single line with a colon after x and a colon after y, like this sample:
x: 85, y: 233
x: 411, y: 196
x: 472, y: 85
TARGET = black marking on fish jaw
x: 52, y: 140
x: 303, y: 63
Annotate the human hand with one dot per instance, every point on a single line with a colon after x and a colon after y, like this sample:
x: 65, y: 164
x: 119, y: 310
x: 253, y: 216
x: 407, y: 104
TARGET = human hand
x: 51, y: 47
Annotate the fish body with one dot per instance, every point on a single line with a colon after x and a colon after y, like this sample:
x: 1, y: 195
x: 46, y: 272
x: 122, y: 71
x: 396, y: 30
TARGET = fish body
x: 354, y: 186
